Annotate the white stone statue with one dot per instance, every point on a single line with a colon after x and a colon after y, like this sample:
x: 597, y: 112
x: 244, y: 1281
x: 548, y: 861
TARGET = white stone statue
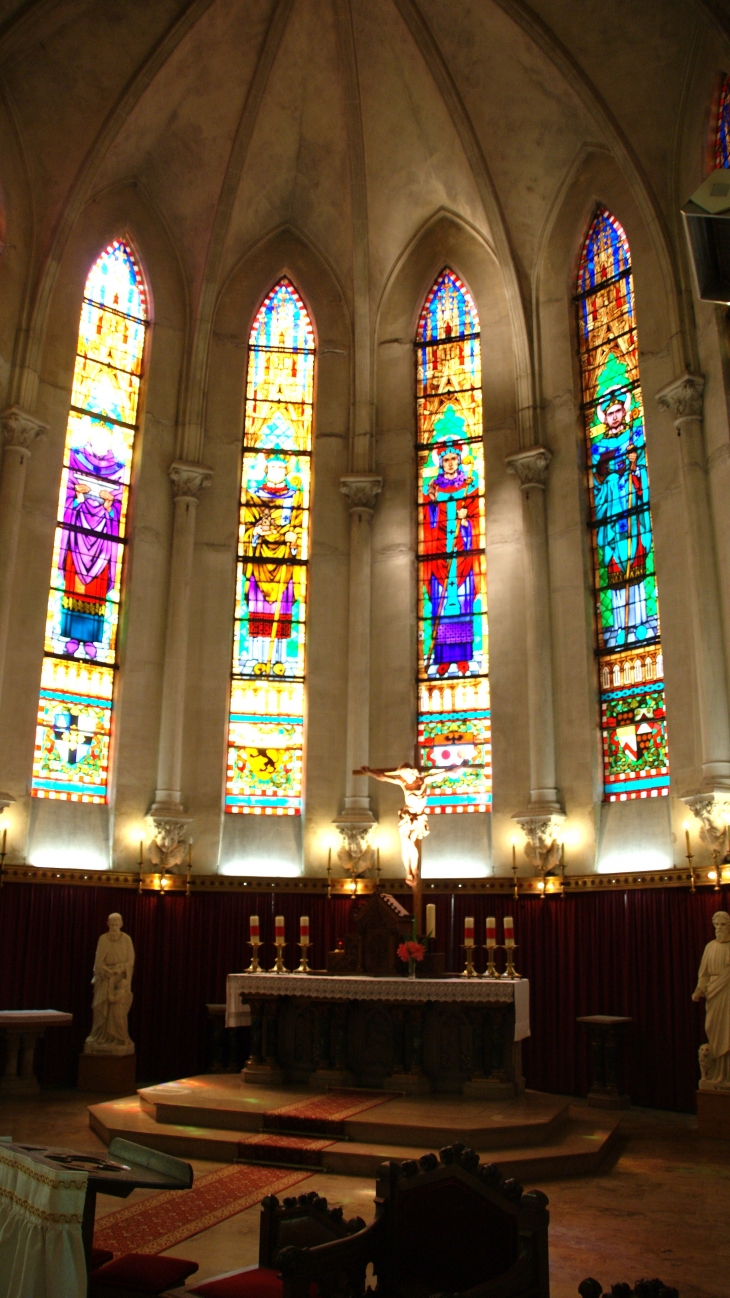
x: 112, y: 983
x: 412, y: 817
x: 713, y: 985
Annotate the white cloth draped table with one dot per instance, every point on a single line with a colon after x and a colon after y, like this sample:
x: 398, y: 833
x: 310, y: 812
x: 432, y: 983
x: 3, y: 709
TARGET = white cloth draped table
x: 41, y: 1211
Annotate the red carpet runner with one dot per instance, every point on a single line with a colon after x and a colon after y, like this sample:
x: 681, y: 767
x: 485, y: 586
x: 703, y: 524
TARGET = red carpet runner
x: 163, y: 1220
x: 325, y: 1113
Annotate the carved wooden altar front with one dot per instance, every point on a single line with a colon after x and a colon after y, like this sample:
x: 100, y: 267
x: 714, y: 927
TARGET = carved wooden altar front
x: 403, y: 1034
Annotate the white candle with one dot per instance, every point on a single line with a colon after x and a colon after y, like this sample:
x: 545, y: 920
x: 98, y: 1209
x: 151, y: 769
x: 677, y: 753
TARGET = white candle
x: 469, y: 931
x: 303, y: 928
x: 491, y: 931
x: 279, y: 928
x: 253, y: 924
x: 509, y: 931
x: 430, y: 920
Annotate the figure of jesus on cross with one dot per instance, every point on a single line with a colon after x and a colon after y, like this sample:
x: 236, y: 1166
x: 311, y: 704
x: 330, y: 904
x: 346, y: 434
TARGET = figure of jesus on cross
x: 412, y: 817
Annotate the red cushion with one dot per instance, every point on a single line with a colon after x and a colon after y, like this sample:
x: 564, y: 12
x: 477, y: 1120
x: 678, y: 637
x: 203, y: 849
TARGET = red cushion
x: 254, y: 1282
x: 99, y: 1256
x: 145, y: 1272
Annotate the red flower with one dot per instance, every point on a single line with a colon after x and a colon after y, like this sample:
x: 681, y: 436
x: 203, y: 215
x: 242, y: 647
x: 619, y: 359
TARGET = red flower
x: 411, y: 951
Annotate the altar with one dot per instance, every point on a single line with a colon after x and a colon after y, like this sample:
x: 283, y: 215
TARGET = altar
x: 413, y: 1035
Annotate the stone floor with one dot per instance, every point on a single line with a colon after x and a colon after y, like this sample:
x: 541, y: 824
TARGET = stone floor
x: 659, y: 1206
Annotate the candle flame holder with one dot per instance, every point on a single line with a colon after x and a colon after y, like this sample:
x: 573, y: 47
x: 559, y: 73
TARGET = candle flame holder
x: 469, y: 971
x: 303, y: 963
x: 254, y: 966
x: 510, y: 971
x: 279, y: 966
x: 491, y: 970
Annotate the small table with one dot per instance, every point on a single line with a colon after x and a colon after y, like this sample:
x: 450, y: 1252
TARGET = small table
x: 26, y: 1026
x: 605, y: 1031
x: 128, y: 1167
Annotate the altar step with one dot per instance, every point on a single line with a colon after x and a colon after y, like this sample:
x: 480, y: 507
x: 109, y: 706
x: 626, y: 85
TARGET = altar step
x: 537, y: 1137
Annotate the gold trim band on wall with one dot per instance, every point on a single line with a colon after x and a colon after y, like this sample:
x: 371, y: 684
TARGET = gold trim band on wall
x: 499, y: 884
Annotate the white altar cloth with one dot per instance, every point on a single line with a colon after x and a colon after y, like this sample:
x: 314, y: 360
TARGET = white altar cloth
x: 354, y: 987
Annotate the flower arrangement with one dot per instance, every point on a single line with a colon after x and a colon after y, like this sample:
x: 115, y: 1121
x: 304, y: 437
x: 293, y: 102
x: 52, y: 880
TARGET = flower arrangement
x: 411, y: 951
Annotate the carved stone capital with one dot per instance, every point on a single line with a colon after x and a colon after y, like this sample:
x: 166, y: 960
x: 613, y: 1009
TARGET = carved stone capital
x: 683, y: 397
x: 170, y: 836
x: 6, y: 800
x: 19, y: 429
x: 712, y: 809
x: 357, y: 853
x: 530, y: 466
x: 189, y: 479
x: 361, y: 489
x: 542, y: 848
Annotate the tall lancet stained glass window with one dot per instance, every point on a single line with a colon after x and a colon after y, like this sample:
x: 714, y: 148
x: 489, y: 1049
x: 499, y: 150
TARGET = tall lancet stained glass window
x: 453, y: 652
x: 722, y: 131
x: 631, y: 686
x: 77, y: 682
x: 266, y: 726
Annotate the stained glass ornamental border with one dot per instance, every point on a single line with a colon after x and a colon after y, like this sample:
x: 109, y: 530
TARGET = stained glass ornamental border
x: 628, y: 632
x: 454, y: 736
x: 266, y: 721
x: 722, y: 130
x: 75, y: 706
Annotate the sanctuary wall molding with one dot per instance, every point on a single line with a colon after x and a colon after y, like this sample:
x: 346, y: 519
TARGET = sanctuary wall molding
x: 167, y: 811
x: 683, y: 399
x: 356, y: 820
x: 19, y: 431
x: 530, y: 467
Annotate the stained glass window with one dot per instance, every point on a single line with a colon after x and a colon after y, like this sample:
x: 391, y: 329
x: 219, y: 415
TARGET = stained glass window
x: 722, y: 137
x: 630, y: 665
x: 77, y: 681
x: 266, y: 726
x: 453, y: 651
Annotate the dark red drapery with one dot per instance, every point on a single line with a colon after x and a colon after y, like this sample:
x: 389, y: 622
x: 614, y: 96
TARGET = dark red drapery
x: 633, y: 953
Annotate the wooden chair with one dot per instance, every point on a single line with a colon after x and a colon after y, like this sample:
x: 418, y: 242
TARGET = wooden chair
x: 444, y: 1225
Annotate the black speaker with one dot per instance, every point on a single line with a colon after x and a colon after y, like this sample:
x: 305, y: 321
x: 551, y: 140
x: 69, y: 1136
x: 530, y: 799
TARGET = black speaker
x: 707, y: 223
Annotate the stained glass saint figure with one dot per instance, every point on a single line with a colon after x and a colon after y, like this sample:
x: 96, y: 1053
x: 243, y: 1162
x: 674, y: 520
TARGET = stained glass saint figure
x: 266, y: 725
x: 628, y: 633
x: 77, y: 681
x: 454, y: 739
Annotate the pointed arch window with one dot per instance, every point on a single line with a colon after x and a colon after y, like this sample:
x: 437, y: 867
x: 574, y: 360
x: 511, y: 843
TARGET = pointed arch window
x: 266, y: 723
x: 628, y: 631
x: 722, y: 130
x: 453, y: 651
x: 77, y: 682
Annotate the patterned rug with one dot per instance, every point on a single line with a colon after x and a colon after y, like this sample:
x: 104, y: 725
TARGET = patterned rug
x: 325, y: 1113
x: 163, y: 1220
x: 265, y: 1147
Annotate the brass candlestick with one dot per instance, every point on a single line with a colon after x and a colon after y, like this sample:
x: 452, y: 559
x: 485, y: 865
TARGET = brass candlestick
x: 329, y: 873
x: 254, y: 966
x: 690, y: 859
x: 510, y: 971
x: 279, y: 966
x: 469, y: 971
x: 303, y: 963
x: 514, y: 870
x: 491, y: 969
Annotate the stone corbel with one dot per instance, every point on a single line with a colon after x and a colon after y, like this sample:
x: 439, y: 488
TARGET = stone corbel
x: 542, y: 847
x: 188, y: 480
x: 6, y: 800
x: 530, y: 467
x: 170, y: 837
x: 20, y: 430
x: 683, y: 398
x: 361, y: 490
x: 712, y: 809
x: 357, y: 854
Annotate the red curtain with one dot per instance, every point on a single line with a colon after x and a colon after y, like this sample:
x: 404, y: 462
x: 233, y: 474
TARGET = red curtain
x: 614, y: 953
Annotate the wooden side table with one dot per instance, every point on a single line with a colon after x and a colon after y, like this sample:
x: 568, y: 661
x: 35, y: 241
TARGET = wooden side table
x: 22, y: 1028
x: 605, y: 1033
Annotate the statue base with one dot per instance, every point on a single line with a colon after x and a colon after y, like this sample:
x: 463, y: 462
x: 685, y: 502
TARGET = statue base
x: 713, y: 1114
x: 108, y: 1074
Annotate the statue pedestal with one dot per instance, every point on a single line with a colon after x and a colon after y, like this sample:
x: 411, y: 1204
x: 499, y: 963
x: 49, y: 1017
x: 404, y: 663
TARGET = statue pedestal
x: 713, y: 1114
x: 108, y: 1074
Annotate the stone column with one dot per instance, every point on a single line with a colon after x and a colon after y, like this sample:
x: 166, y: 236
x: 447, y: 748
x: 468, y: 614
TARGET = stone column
x: 530, y: 467
x: 19, y: 431
x: 167, y: 811
x: 357, y: 819
x: 684, y: 399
